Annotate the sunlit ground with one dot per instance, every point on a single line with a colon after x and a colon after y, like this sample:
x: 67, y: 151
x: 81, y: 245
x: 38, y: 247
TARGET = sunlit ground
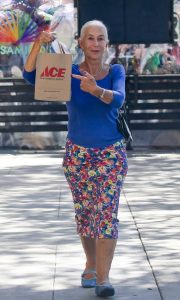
x: 41, y: 257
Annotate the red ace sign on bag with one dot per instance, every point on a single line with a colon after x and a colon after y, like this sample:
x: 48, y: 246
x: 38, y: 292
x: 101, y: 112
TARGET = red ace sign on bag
x: 53, y: 77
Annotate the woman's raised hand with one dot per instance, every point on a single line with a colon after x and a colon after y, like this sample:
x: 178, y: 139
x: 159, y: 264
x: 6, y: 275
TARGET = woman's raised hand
x: 88, y: 82
x: 45, y: 37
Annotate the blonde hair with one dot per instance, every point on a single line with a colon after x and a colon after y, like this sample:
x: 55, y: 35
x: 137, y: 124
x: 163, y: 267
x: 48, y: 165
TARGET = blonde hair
x: 91, y: 24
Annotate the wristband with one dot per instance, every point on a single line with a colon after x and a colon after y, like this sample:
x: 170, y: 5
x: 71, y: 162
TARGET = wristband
x: 102, y: 95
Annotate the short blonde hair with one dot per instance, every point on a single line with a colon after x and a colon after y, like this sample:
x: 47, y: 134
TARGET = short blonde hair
x: 94, y: 23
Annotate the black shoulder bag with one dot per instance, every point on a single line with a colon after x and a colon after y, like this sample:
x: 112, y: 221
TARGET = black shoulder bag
x: 122, y: 124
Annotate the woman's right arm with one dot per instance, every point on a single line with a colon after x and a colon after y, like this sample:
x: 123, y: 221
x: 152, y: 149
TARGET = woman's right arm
x: 43, y: 38
x: 30, y: 64
x: 29, y: 72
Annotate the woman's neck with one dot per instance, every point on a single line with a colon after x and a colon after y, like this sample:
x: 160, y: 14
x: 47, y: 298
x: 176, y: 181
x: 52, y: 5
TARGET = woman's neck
x: 93, y: 67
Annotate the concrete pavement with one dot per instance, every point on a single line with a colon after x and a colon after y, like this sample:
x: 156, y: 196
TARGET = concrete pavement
x: 41, y: 257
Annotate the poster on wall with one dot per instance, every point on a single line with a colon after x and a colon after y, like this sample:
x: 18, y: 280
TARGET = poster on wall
x: 20, y: 23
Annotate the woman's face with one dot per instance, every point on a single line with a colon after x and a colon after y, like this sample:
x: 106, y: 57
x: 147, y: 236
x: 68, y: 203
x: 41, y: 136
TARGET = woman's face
x: 94, y: 43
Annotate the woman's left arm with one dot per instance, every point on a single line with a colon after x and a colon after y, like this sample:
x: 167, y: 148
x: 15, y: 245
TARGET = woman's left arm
x: 116, y: 95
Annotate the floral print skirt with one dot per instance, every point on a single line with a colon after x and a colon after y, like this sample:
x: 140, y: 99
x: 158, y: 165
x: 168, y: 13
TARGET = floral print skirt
x: 95, y: 177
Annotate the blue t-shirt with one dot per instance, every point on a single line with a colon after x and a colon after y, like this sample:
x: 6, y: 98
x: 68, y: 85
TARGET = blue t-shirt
x: 92, y: 123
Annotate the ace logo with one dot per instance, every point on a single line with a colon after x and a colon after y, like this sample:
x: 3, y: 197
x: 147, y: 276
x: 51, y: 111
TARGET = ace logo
x: 53, y: 72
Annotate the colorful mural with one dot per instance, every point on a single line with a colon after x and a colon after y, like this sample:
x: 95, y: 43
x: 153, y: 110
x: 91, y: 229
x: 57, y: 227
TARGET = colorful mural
x: 20, y: 23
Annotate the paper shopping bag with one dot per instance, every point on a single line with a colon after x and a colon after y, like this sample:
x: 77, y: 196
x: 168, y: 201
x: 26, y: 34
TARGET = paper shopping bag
x: 53, y: 77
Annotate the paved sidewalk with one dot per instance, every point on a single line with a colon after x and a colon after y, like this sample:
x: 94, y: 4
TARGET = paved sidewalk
x: 153, y: 194
x: 41, y: 257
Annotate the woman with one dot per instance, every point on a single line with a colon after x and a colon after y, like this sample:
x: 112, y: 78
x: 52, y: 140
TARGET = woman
x: 95, y: 163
